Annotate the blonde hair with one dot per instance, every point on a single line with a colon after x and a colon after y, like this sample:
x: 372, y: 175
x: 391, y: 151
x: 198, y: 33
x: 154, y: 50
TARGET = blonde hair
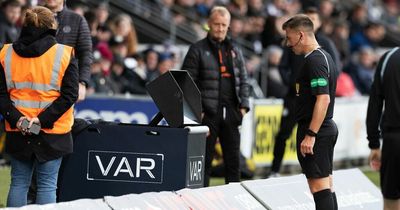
x: 221, y: 11
x: 130, y: 39
x: 40, y: 17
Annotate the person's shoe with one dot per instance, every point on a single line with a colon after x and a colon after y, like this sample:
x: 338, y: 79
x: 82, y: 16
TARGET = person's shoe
x: 272, y: 174
x: 4, y: 162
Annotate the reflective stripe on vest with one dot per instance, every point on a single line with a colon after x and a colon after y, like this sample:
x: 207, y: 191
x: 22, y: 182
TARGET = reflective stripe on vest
x: 35, y: 86
x: 7, y: 67
x: 31, y: 104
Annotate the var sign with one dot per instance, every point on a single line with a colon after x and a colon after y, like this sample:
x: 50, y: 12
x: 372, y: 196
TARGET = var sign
x: 125, y: 166
x: 195, y: 173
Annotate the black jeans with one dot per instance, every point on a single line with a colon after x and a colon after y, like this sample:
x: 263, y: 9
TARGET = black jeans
x: 288, y: 121
x: 225, y: 126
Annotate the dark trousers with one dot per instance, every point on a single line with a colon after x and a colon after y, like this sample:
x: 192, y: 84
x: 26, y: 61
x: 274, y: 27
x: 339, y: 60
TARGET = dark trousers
x: 288, y: 121
x: 225, y: 126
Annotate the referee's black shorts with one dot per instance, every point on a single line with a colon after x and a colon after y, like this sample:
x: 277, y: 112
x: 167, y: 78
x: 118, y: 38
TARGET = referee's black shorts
x: 320, y: 164
x: 390, y: 165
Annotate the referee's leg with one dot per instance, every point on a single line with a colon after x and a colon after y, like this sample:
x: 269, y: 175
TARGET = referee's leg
x: 318, y: 169
x: 390, y: 204
x: 322, y: 193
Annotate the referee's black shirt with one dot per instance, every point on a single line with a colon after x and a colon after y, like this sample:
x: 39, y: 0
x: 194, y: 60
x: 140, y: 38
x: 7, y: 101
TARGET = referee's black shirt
x: 317, y: 76
x: 385, y: 91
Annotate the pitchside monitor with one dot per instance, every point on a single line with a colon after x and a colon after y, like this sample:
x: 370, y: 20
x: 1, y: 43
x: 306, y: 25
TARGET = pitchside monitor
x: 177, y: 97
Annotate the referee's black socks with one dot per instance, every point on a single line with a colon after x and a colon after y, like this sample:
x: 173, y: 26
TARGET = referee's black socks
x: 324, y: 200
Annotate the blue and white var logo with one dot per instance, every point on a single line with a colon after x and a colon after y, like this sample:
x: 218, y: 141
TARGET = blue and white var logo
x: 125, y: 166
x: 196, y: 171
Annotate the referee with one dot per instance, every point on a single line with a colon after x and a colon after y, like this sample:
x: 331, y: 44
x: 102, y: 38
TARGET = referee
x: 315, y: 97
x: 384, y: 95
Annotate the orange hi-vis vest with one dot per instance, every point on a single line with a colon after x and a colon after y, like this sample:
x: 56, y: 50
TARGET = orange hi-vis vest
x: 32, y: 86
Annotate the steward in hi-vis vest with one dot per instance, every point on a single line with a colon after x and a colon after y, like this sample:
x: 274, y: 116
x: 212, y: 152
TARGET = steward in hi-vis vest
x: 39, y: 84
x: 33, y: 88
x: 39, y: 79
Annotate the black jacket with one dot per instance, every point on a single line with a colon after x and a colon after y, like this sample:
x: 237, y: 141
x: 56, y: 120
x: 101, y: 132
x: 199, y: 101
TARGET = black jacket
x: 73, y: 31
x: 384, y: 101
x: 201, y: 61
x: 32, y: 43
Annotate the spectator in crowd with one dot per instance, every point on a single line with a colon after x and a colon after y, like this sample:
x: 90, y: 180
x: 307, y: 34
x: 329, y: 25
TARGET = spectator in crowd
x: 218, y: 69
x: 106, y: 57
x: 133, y: 73
x: 73, y: 31
x: 165, y: 63
x: 125, y: 78
x: 96, y: 19
x: 362, y: 71
x: 151, y: 59
x: 53, y: 112
x: 275, y: 86
x: 9, y: 16
x: 186, y: 10
x: 79, y: 9
x: 238, y: 7
x: 358, y: 19
x: 122, y: 27
x: 116, y: 76
x: 383, y: 122
x: 371, y: 36
x: 99, y: 75
x: 253, y: 28
x: 102, y: 14
x: 236, y: 28
x: 275, y: 8
x: 315, y: 98
x: 90, y: 18
x: 340, y: 37
x: 326, y: 8
x: 103, y: 35
x: 327, y: 26
x: 203, y: 8
x: 271, y: 34
x: 391, y: 15
x: 256, y: 9
x: 325, y: 42
x: 345, y: 86
x: 164, y: 8
x: 118, y: 47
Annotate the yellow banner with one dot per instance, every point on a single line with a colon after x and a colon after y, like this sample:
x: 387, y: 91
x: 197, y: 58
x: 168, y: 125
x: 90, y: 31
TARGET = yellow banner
x: 268, y: 118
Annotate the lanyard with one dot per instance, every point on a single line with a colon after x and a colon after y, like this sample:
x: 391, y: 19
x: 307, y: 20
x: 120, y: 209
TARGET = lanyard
x: 222, y: 67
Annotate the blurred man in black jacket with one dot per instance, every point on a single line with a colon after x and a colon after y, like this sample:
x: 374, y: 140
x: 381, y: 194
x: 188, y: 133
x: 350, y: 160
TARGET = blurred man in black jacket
x: 218, y: 69
x: 73, y: 31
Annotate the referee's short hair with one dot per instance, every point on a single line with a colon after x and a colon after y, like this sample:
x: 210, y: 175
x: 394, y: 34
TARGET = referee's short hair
x: 299, y: 22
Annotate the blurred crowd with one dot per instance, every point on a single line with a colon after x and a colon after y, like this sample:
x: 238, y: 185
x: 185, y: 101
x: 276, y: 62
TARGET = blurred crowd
x: 360, y: 31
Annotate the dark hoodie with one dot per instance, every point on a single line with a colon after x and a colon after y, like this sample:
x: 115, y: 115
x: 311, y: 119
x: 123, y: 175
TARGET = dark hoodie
x: 33, y: 42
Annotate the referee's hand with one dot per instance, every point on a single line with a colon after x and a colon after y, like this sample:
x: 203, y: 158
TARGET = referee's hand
x: 307, y: 145
x: 375, y: 159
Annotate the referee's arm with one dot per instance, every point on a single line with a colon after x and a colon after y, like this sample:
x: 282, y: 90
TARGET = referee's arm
x: 375, y: 106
